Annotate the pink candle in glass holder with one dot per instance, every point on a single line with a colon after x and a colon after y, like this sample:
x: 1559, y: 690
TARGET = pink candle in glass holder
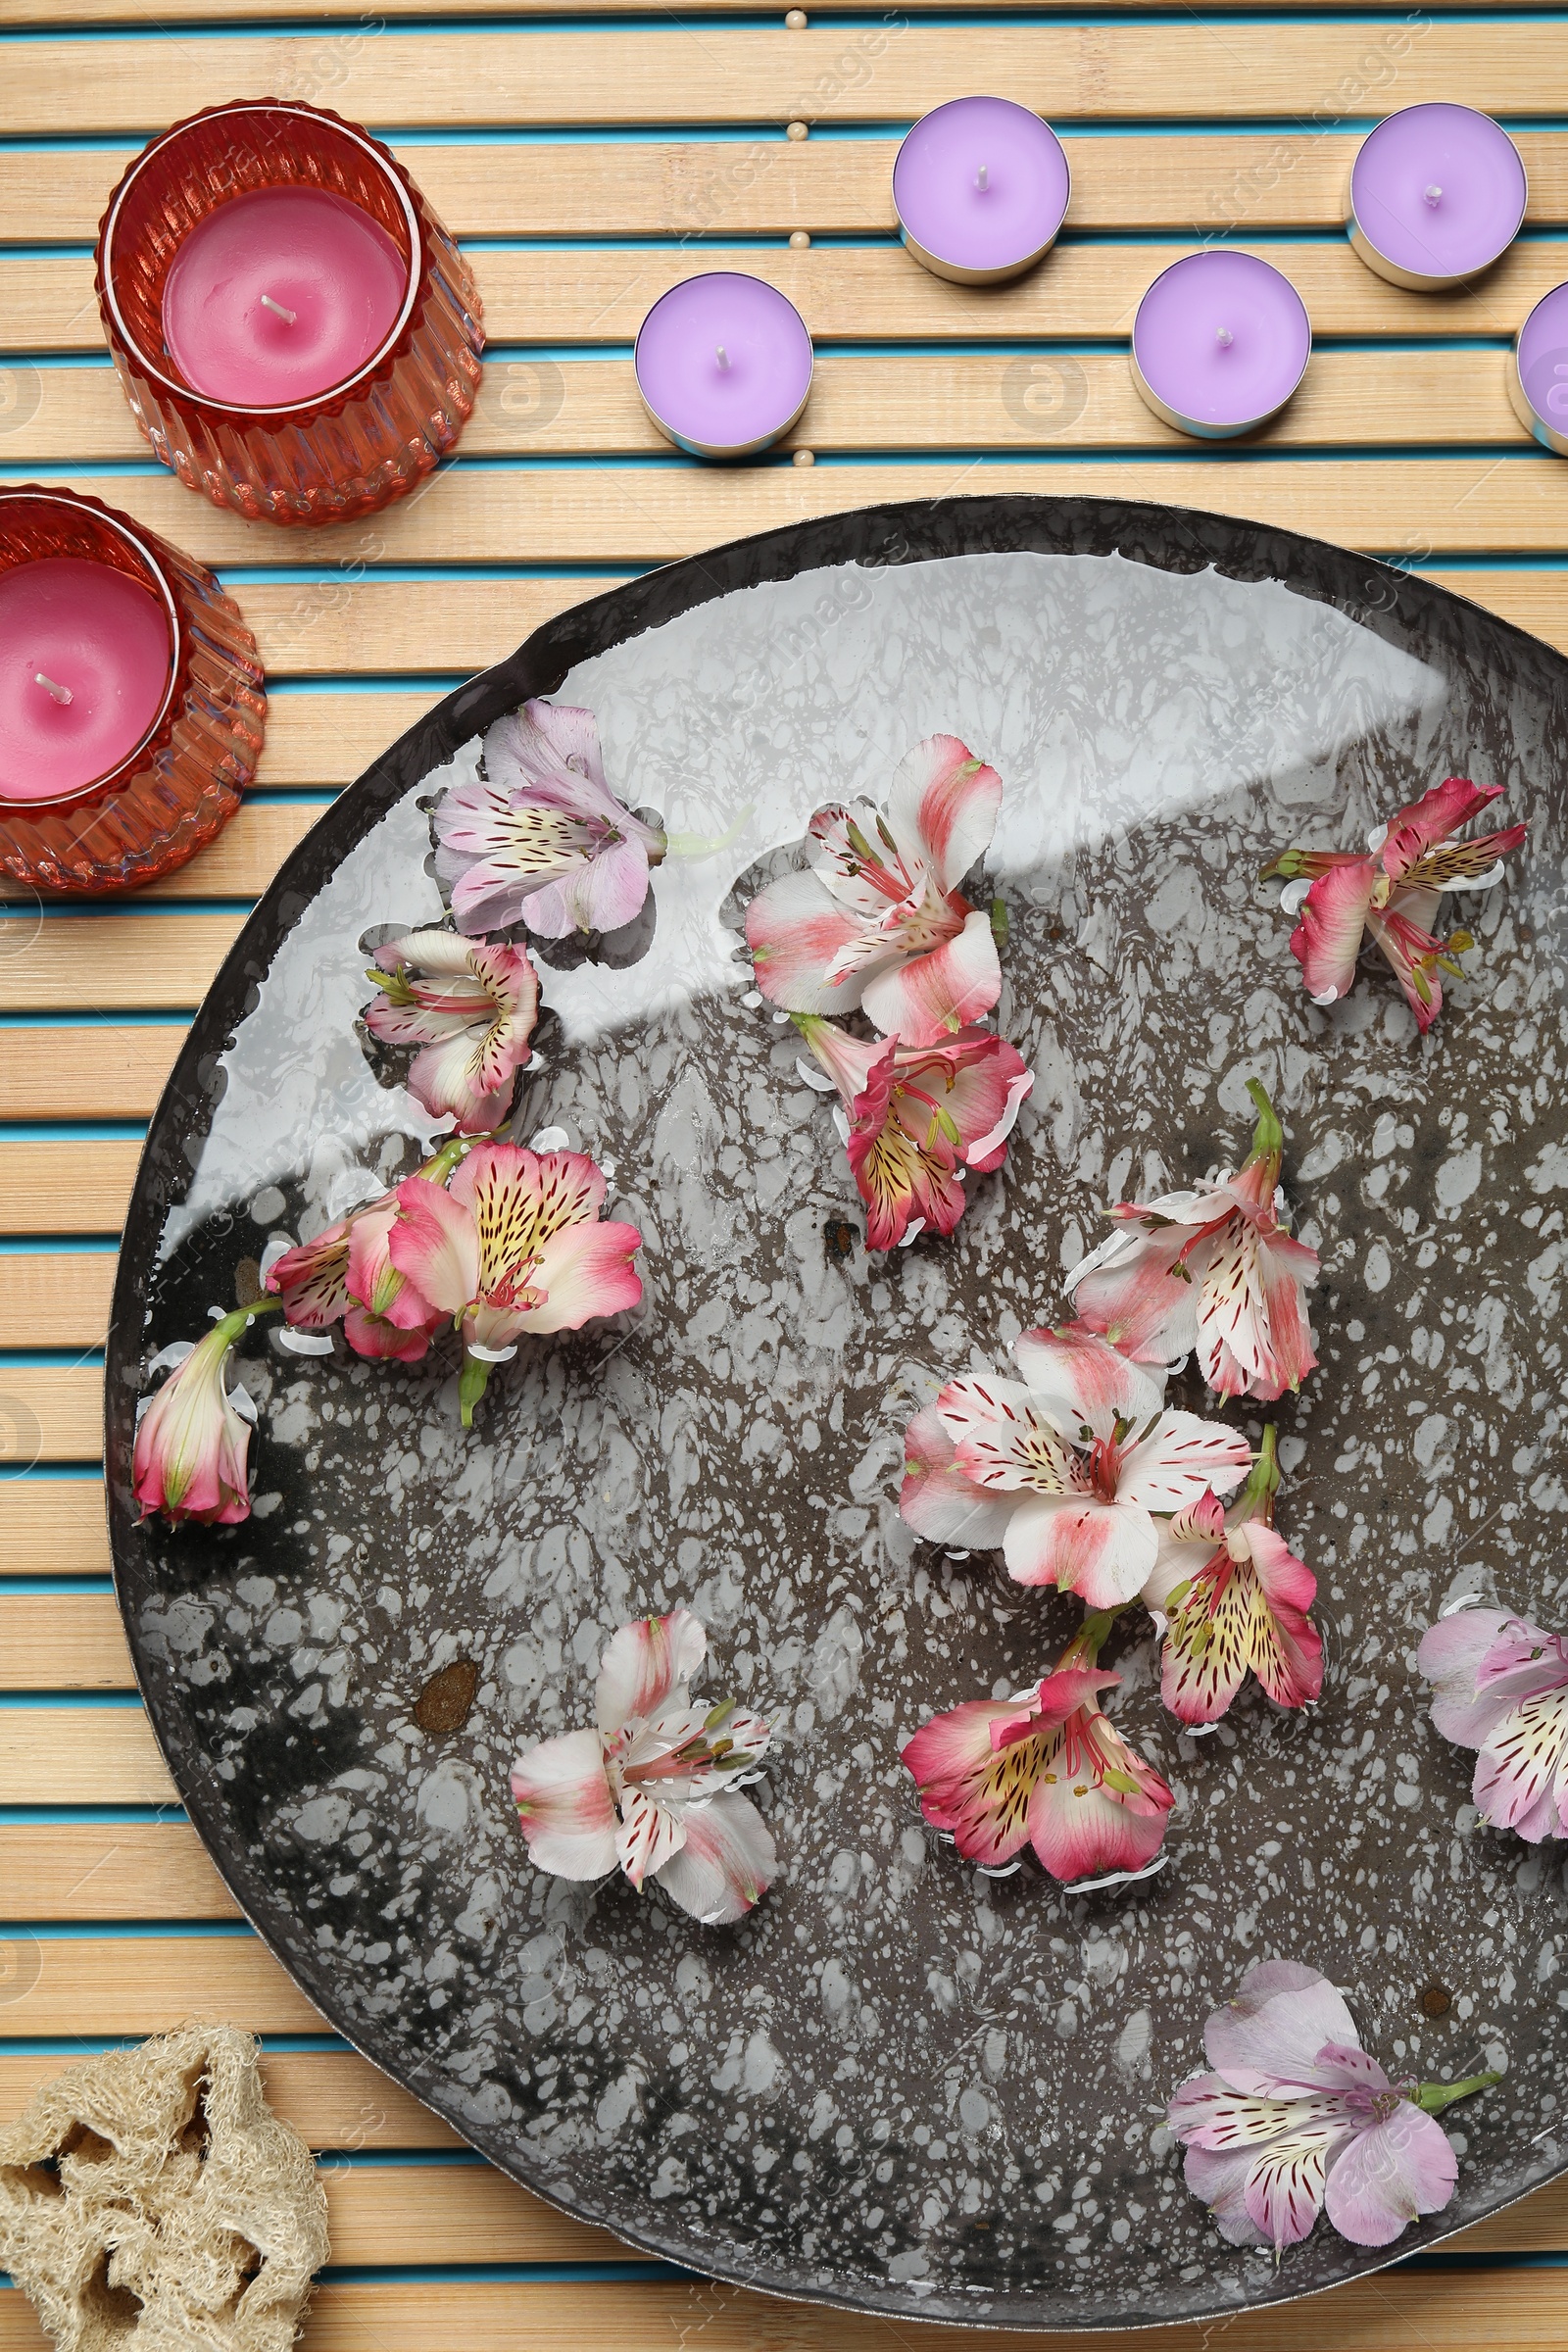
x: 87, y: 662
x: 280, y: 295
x: 1438, y: 194
x: 1220, y: 342
x: 724, y: 363
x: 980, y: 187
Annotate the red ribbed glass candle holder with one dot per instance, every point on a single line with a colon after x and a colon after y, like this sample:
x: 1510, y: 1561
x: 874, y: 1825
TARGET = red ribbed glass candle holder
x: 181, y: 781
x: 362, y: 442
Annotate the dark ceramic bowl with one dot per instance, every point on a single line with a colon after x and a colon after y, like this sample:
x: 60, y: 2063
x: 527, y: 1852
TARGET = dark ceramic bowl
x: 900, y: 2085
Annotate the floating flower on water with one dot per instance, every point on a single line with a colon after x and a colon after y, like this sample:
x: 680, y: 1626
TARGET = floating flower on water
x: 191, y: 1455
x: 541, y: 838
x: 1044, y: 1769
x: 1393, y: 892
x: 1296, y: 2118
x: 915, y: 1114
x: 1236, y: 1599
x: 878, y: 919
x: 1213, y: 1271
x: 1066, y: 1469
x: 344, y: 1275
x: 472, y: 1010
x: 513, y: 1245
x: 1501, y: 1686
x: 657, y: 1787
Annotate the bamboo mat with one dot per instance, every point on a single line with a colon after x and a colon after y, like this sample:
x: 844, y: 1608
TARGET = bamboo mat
x: 588, y: 165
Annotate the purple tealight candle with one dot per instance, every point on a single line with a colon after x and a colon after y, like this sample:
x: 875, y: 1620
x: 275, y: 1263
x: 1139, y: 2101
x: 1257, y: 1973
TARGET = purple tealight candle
x: 1220, y: 342
x: 1537, y: 371
x: 980, y: 187
x: 1436, y: 195
x: 724, y: 363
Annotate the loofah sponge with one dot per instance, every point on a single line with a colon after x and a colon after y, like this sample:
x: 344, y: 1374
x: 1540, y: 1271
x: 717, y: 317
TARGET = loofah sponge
x: 151, y: 2198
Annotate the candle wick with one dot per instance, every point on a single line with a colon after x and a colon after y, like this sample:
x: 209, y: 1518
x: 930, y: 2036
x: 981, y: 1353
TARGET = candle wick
x: 1432, y: 195
x: 62, y: 694
x: 1223, y: 337
x: 983, y: 178
x: 721, y: 355
x: 276, y: 308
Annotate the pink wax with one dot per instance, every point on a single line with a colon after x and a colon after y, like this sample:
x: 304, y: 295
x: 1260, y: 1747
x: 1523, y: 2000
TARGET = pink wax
x: 1542, y: 362
x: 724, y: 363
x: 1438, y: 192
x: 279, y: 296
x: 94, y: 635
x: 980, y: 186
x: 1221, y: 340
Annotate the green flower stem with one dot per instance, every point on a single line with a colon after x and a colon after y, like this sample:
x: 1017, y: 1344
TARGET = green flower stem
x: 230, y: 1327
x: 1084, y: 1647
x: 1256, y: 1497
x: 472, y: 1387
x: 1268, y: 1136
x: 1433, y: 2097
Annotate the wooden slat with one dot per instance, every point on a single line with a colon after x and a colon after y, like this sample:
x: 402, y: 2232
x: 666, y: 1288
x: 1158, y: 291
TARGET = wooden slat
x: 59, y: 1641
x: 104, y: 1755
x: 55, y: 14
x: 832, y: 72
x: 52, y: 1526
x: 114, y: 1069
x: 110, y: 962
x: 55, y: 1300
x: 333, y: 2098
x: 856, y: 293
x: 59, y: 1984
x: 1402, y: 2311
x: 1460, y: 506
x: 73, y: 1870
x: 1290, y: 178
x: 981, y: 400
x: 246, y: 855
x: 321, y: 741
x: 340, y: 627
x: 67, y: 1187
x: 50, y: 1412
x: 452, y: 2213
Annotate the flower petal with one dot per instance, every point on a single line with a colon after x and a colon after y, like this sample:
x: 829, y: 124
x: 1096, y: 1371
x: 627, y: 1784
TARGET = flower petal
x: 727, y: 1863
x: 650, y: 1836
x: 564, y: 1804
x: 1082, y: 1382
x: 1285, y: 2185
x: 1520, y: 1761
x: 602, y: 895
x: 1419, y: 828
x: 1181, y: 1459
x: 797, y: 931
x: 584, y: 1272
x: 979, y: 1794
x: 644, y: 1663
x: 1103, y: 1552
x: 927, y: 998
x: 435, y: 1242
x: 1450, y: 1655
x: 943, y: 803
x: 936, y: 1499
x: 1129, y: 1290
x: 1003, y: 1441
x: 1401, y: 2168
x: 1327, y: 938
x: 1265, y: 2041
x: 1081, y: 1827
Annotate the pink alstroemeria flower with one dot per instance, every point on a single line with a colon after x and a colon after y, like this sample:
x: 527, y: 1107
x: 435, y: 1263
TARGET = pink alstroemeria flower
x: 1236, y: 1598
x: 541, y: 839
x: 1296, y: 2118
x: 1044, y: 1769
x: 513, y: 1245
x: 657, y: 1787
x: 472, y: 1011
x: 1214, y: 1269
x: 344, y: 1275
x: 914, y: 1113
x: 1393, y: 892
x: 192, y: 1449
x: 1501, y: 1686
x: 878, y: 919
x: 1066, y: 1469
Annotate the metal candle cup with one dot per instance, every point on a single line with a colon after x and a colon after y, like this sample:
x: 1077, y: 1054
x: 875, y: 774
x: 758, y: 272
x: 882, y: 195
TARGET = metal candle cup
x: 178, y: 751
x: 724, y: 364
x: 1438, y: 194
x: 1220, y: 342
x: 325, y: 450
x: 980, y: 187
x: 1538, y: 372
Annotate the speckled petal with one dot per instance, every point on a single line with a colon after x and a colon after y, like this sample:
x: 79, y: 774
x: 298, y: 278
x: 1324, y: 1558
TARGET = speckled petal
x: 727, y: 1863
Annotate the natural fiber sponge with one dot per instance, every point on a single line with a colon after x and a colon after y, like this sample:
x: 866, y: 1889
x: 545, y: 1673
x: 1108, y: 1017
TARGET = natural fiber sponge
x: 151, y: 2198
